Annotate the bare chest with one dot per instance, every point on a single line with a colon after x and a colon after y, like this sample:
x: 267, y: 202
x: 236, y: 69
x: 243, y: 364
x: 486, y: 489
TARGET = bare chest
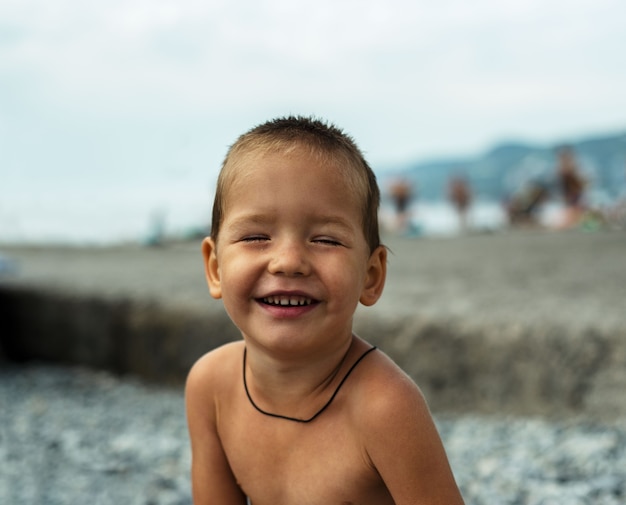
x: 281, y: 462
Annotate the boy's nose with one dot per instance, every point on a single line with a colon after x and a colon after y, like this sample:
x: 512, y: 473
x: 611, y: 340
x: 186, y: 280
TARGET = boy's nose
x: 289, y: 258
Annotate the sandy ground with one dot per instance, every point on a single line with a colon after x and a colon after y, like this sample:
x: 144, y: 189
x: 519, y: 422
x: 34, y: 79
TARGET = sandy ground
x: 572, y: 279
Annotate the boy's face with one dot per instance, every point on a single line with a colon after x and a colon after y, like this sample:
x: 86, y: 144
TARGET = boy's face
x: 291, y: 262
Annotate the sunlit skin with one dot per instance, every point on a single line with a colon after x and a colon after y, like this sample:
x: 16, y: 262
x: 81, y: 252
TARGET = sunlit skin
x: 291, y: 264
x: 293, y: 231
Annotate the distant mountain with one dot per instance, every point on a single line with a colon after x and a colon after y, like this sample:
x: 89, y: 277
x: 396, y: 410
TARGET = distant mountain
x: 508, y: 167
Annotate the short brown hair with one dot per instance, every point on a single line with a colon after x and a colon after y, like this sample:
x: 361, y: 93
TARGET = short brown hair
x: 324, y: 141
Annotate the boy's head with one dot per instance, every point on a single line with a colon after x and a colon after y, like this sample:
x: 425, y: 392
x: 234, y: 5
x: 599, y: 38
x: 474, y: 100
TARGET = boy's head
x: 323, y: 141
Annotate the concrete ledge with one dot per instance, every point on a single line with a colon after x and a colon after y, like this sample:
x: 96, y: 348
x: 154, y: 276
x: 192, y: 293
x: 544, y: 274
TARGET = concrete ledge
x: 125, y: 336
x: 548, y: 371
x: 495, y: 368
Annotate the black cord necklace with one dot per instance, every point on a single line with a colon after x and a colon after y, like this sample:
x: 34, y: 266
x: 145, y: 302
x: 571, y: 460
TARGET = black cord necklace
x: 295, y: 419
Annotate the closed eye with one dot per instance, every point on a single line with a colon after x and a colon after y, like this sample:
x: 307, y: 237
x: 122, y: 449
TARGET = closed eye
x: 255, y: 238
x: 327, y: 241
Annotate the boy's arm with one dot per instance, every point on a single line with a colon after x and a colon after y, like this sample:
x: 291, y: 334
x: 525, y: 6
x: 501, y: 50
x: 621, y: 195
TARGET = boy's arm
x: 403, y: 445
x: 212, y: 480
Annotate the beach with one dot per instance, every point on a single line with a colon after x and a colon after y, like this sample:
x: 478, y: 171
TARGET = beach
x: 74, y: 435
x: 527, y: 277
x: 517, y: 340
x: 534, y: 317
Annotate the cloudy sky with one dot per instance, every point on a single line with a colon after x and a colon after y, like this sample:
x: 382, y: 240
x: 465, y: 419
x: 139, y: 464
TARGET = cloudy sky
x: 95, y: 89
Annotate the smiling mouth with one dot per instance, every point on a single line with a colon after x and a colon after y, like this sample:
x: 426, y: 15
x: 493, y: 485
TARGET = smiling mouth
x: 288, y: 301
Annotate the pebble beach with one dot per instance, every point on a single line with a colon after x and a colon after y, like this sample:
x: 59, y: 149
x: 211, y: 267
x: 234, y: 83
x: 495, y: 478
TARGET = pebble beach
x: 70, y: 434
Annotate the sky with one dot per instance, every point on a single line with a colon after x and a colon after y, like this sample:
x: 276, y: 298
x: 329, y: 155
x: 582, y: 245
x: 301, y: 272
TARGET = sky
x: 138, y: 90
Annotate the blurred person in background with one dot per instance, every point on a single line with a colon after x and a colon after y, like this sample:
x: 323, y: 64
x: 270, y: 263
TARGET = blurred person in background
x: 572, y: 185
x: 460, y: 195
x: 401, y: 194
x: 524, y: 206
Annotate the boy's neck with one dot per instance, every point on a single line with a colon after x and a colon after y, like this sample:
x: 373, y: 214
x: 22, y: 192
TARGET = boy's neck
x: 296, y: 387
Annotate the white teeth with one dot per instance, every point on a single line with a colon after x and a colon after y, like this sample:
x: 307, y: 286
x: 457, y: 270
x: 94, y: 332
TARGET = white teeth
x: 287, y: 301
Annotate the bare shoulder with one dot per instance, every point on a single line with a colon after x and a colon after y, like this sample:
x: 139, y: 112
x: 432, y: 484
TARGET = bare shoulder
x: 399, y: 435
x: 384, y: 389
x: 216, y: 361
x: 213, y: 373
x: 210, y: 381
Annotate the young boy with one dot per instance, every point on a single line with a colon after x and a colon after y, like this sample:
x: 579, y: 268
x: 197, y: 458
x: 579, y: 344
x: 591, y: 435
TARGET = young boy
x: 302, y: 411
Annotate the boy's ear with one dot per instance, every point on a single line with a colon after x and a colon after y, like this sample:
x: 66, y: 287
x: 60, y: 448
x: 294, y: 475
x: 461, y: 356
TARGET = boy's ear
x: 376, y: 275
x: 211, y: 267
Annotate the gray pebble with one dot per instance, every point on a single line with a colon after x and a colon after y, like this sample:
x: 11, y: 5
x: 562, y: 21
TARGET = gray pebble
x: 70, y: 435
